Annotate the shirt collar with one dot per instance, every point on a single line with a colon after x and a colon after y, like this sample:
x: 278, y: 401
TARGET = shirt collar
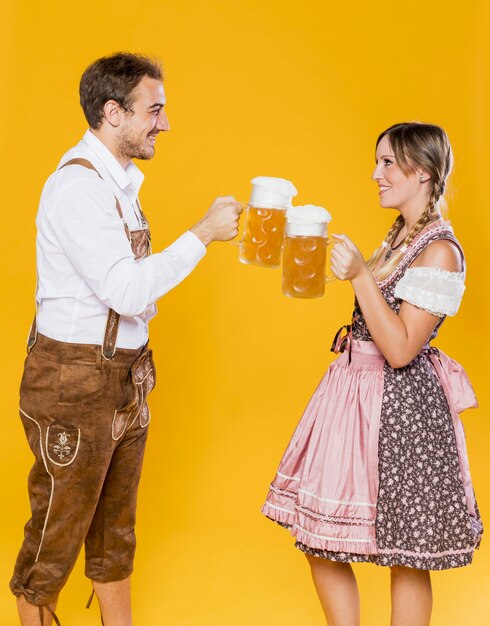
x: 128, y: 180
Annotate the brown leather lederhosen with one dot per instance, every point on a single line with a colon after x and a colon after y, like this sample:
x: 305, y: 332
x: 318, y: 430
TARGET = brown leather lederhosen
x: 84, y: 410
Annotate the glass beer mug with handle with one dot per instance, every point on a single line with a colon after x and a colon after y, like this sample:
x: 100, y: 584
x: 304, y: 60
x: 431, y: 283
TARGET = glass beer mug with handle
x: 305, y: 251
x: 265, y: 219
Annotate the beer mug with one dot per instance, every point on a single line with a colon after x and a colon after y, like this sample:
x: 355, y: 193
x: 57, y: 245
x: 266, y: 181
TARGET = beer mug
x: 265, y: 219
x: 305, y: 251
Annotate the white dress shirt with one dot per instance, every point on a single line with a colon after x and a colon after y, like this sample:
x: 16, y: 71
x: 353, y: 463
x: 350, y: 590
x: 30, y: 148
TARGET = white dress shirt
x: 85, y: 263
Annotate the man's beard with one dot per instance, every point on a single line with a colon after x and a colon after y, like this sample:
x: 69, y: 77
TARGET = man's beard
x: 130, y: 149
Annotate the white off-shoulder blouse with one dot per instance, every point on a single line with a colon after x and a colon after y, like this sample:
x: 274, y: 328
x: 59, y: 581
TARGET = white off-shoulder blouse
x: 435, y: 290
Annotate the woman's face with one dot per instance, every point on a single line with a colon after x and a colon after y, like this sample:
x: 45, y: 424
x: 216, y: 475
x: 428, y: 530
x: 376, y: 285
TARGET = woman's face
x: 396, y: 190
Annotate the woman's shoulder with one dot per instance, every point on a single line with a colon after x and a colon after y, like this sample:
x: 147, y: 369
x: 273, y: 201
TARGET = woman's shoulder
x: 441, y: 253
x: 436, y: 246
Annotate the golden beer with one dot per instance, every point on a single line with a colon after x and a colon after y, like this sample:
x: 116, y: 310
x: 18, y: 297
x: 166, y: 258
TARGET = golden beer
x: 304, y: 266
x: 263, y: 237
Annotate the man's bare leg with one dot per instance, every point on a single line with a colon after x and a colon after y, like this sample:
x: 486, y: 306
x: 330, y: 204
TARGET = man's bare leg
x: 115, y: 602
x: 29, y: 613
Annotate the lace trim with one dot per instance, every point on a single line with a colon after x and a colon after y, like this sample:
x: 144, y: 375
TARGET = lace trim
x: 436, y: 272
x: 433, y: 289
x: 432, y: 303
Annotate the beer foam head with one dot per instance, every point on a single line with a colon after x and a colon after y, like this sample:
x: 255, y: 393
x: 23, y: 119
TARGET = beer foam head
x: 272, y: 193
x: 309, y: 220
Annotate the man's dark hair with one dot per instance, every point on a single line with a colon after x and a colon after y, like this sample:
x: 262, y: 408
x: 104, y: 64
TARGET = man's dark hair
x: 114, y: 78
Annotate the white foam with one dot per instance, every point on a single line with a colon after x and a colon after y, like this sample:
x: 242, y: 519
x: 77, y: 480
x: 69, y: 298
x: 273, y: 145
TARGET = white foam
x: 307, y: 220
x: 269, y: 192
x: 305, y: 230
x: 308, y: 214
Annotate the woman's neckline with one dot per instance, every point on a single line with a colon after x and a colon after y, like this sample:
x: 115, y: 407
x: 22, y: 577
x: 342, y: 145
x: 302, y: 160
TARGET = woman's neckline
x: 432, y: 224
x: 435, y: 224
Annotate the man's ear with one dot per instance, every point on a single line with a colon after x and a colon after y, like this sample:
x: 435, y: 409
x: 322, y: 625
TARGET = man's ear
x: 113, y: 113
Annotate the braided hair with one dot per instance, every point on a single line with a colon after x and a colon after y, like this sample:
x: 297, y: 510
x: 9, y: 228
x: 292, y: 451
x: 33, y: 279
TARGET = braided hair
x: 416, y: 145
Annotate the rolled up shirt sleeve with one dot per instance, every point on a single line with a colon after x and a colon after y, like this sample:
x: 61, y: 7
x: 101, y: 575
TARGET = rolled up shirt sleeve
x: 88, y: 228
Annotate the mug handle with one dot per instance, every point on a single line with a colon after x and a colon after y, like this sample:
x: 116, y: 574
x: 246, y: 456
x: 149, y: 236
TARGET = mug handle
x: 331, y: 279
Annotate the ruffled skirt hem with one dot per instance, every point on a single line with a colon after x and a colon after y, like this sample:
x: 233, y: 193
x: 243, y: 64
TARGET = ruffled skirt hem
x: 347, y: 553
x: 414, y: 561
x: 313, y: 537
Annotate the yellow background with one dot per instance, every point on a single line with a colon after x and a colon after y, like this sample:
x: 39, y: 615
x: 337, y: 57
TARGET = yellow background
x: 255, y: 87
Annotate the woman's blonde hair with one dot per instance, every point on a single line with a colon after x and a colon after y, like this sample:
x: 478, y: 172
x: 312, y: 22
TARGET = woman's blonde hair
x: 416, y: 145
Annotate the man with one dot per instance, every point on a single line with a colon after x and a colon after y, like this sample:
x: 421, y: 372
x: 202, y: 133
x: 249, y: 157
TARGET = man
x: 89, y: 369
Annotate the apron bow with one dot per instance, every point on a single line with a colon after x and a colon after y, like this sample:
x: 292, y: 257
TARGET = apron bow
x: 454, y: 380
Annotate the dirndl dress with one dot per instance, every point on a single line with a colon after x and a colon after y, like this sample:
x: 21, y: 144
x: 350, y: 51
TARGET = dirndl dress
x: 377, y: 468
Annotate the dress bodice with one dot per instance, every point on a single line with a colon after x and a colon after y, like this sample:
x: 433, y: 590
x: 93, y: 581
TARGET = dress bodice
x: 433, y: 232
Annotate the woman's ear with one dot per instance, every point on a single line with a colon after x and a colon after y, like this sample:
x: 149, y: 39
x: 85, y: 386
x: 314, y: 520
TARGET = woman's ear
x: 423, y: 175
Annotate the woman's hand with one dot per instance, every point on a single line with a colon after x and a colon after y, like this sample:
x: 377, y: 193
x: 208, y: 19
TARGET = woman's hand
x: 346, y: 260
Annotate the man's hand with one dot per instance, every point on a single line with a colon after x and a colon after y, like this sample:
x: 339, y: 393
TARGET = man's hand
x: 220, y: 222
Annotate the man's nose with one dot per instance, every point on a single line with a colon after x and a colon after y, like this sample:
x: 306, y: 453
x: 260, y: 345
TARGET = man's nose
x: 162, y: 122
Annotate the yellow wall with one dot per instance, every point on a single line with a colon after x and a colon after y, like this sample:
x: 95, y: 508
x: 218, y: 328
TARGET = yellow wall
x: 255, y: 87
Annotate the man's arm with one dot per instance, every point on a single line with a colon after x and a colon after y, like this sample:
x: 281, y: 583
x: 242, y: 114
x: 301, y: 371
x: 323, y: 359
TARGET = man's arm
x: 91, y: 235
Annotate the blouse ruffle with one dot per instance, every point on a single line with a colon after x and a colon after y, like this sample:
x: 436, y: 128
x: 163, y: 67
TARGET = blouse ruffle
x: 433, y: 289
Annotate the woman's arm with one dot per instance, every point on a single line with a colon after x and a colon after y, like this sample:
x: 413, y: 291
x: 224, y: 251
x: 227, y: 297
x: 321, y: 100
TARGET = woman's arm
x: 398, y: 337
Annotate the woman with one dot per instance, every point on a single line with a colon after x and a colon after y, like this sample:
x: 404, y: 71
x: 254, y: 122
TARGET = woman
x: 377, y: 468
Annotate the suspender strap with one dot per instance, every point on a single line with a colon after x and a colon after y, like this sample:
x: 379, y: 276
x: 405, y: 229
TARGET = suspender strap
x: 89, y: 166
x: 31, y: 340
x: 108, y: 347
x: 110, y: 335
